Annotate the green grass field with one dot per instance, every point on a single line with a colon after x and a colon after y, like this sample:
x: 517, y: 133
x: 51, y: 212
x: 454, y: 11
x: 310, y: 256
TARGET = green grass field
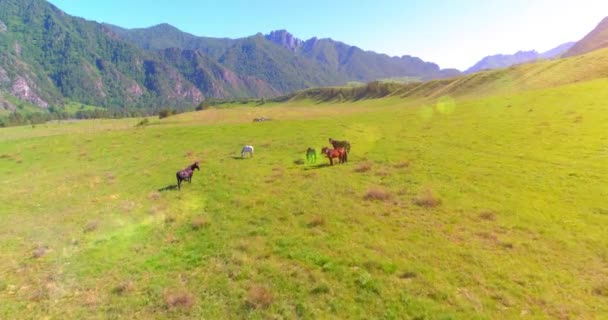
x: 476, y: 208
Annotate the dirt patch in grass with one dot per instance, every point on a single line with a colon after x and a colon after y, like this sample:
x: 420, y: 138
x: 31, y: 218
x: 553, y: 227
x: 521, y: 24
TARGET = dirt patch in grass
x: 182, y: 300
x: 427, y: 199
x: 377, y: 194
x: 259, y: 297
x: 363, y: 167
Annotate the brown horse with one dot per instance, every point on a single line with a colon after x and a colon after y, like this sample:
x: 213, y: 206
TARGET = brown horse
x: 340, y: 144
x: 339, y: 153
x: 186, y: 174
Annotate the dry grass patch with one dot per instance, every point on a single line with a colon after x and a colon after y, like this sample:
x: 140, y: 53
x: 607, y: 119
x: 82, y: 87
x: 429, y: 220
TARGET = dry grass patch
x: 427, y: 199
x: 184, y: 300
x: 39, y: 252
x: 169, y: 219
x: 123, y: 288
x: 408, y: 275
x: 259, y: 297
x: 199, y: 223
x: 316, y: 222
x: 377, y: 194
x: 91, y: 226
x: 154, y: 195
x: 363, y: 167
x: 601, y: 290
x: 403, y: 164
x: 487, y: 215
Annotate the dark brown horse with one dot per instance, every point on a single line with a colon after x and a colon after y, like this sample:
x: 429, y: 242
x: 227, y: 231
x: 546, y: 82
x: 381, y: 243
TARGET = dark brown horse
x: 339, y: 153
x: 340, y: 144
x: 186, y: 174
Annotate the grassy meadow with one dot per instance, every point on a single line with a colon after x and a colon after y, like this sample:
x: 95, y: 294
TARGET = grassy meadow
x: 478, y: 208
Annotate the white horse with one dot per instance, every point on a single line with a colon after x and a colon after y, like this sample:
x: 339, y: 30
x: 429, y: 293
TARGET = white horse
x: 247, y: 149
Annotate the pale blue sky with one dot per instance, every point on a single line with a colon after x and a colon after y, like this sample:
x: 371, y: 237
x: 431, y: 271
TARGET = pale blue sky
x: 452, y: 33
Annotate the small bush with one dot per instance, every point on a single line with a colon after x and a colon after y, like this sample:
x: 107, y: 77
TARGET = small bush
x: 154, y: 195
x: 427, y: 199
x: 320, y: 289
x: 259, y: 297
x: 363, y: 167
x: 199, y: 223
x: 404, y: 164
x: 601, y: 290
x: 166, y: 113
x: 316, y: 222
x: 39, y: 251
x: 377, y: 195
x: 179, y: 300
x: 143, y: 122
x: 123, y: 288
x: 408, y: 275
x: 91, y: 226
x: 487, y: 215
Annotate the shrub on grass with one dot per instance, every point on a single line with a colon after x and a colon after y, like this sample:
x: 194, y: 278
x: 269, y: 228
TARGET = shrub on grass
x: 363, y: 167
x: 427, y: 199
x: 91, y: 226
x: 316, y: 222
x: 376, y: 194
x: 259, y: 297
x: 143, y: 122
x: 403, y: 164
x: 487, y: 215
x: 123, y: 288
x: 199, y: 223
x: 39, y: 251
x: 183, y: 300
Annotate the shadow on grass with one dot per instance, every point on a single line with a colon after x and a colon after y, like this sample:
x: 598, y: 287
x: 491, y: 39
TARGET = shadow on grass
x: 318, y: 166
x: 168, y: 188
x: 239, y: 158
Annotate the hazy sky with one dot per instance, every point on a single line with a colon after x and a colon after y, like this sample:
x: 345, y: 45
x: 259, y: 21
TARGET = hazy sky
x: 452, y: 33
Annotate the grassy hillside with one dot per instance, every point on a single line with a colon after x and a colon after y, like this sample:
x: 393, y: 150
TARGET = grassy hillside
x: 538, y: 75
x: 485, y: 208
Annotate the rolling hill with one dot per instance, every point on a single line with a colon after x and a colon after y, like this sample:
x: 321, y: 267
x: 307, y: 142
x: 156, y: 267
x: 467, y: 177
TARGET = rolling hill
x: 596, y: 39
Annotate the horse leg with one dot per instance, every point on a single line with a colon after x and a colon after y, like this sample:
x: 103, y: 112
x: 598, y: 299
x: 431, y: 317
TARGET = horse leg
x: 179, y: 184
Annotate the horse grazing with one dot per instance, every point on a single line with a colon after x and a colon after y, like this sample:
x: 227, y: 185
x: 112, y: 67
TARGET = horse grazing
x: 340, y: 153
x: 340, y: 144
x: 311, y: 155
x: 247, y: 149
x: 186, y: 174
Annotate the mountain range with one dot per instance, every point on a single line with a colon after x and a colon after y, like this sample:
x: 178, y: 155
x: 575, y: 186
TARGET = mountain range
x: 48, y: 58
x: 507, y: 60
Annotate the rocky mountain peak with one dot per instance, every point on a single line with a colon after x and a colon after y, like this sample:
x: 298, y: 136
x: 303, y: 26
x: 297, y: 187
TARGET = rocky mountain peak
x: 284, y: 39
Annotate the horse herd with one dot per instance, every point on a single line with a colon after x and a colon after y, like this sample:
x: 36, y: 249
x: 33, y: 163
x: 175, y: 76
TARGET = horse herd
x: 340, y: 151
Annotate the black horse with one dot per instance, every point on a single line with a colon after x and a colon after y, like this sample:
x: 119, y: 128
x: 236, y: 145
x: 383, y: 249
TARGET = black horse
x: 186, y: 174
